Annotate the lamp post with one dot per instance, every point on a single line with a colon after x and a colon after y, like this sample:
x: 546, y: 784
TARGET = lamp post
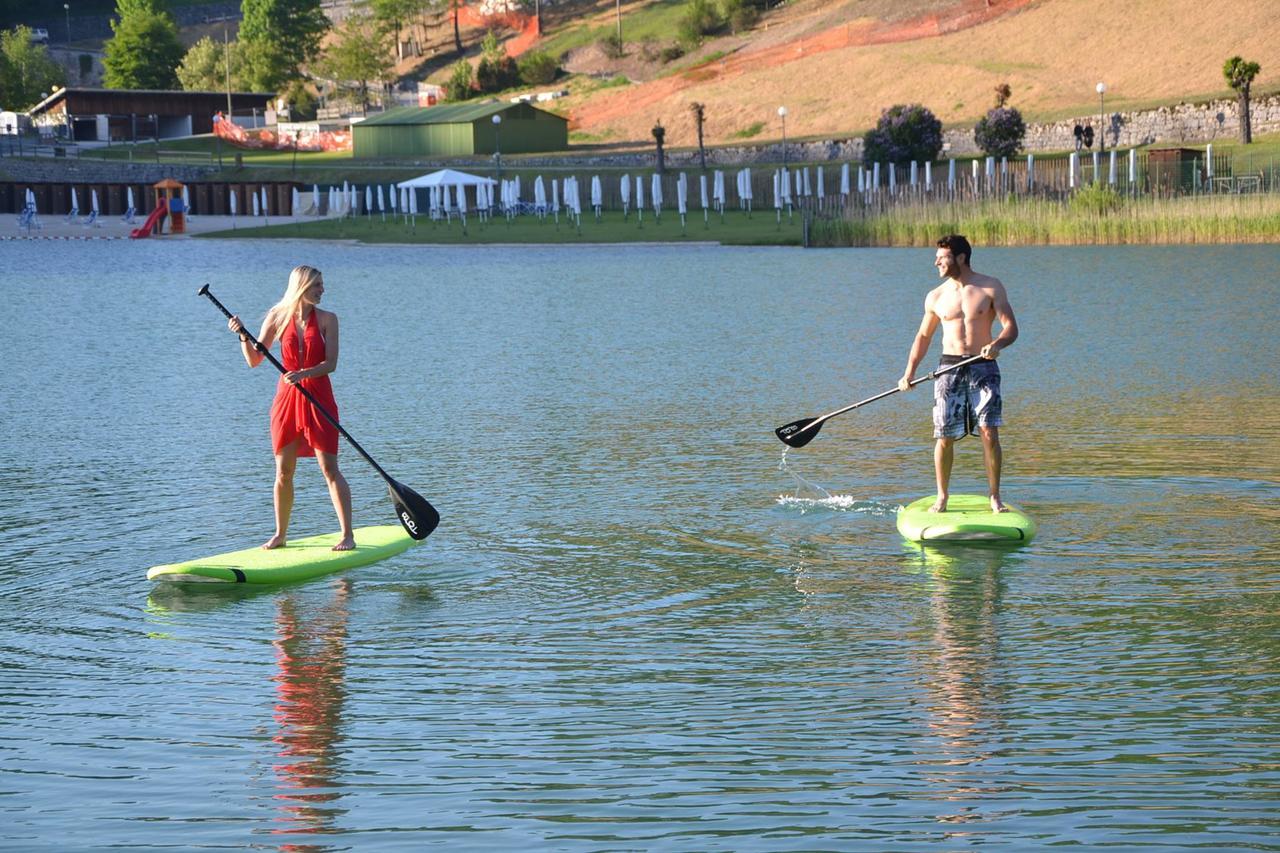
x: 1102, y: 118
x: 497, y: 145
x: 66, y: 7
x: 782, y: 114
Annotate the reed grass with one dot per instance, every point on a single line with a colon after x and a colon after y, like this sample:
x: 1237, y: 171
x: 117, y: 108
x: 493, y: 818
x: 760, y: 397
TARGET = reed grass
x: 1089, y: 217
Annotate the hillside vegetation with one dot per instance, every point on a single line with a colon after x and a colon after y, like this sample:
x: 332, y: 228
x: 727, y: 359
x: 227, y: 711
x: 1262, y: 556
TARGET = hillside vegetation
x: 837, y: 65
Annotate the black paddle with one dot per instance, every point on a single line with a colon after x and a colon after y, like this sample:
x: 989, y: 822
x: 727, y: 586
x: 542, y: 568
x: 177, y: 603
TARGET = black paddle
x: 801, y: 432
x: 417, y: 516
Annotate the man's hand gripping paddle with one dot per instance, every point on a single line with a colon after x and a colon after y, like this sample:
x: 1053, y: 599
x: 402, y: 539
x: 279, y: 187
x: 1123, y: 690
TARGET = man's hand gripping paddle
x: 416, y: 514
x: 801, y: 432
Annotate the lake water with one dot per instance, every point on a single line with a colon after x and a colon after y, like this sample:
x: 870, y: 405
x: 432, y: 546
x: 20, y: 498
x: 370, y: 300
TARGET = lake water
x: 638, y: 626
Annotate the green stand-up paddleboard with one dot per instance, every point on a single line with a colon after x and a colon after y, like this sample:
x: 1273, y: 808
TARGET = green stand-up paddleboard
x: 967, y: 518
x: 298, y: 560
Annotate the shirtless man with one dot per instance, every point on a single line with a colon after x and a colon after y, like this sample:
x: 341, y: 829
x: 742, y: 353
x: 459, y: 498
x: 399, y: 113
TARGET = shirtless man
x: 966, y: 305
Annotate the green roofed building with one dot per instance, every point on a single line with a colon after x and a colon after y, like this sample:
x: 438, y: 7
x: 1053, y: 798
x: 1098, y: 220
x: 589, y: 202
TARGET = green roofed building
x: 456, y: 130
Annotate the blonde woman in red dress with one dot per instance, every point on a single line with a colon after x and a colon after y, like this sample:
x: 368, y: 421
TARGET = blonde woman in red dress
x: 309, y: 351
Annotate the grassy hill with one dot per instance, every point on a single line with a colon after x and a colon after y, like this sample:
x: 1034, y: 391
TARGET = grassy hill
x: 836, y: 64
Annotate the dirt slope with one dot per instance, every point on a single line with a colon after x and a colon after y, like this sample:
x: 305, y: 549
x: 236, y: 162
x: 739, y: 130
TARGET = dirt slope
x: 836, y: 79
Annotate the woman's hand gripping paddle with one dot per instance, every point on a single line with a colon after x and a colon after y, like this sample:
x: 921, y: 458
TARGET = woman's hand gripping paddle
x: 416, y: 514
x: 801, y: 432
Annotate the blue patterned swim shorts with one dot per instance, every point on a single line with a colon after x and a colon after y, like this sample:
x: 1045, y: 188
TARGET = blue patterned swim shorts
x: 966, y: 399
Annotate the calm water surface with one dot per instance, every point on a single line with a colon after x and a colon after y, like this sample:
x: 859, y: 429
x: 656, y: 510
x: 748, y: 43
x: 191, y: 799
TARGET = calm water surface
x: 639, y: 626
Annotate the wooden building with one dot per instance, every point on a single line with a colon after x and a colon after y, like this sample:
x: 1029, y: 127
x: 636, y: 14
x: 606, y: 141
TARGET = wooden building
x: 127, y: 115
x: 460, y: 130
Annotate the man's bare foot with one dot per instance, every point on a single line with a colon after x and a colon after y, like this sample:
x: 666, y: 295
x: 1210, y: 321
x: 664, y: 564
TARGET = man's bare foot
x: 347, y: 544
x: 274, y: 542
x: 997, y: 505
x: 940, y: 505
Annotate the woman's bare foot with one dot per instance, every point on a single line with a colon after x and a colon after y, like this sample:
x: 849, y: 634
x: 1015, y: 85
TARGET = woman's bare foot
x: 997, y: 505
x: 940, y: 505
x: 274, y: 542
x: 347, y: 544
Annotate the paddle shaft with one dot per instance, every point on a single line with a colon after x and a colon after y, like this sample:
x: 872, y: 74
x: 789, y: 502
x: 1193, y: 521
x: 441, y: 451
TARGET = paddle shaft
x: 895, y: 390
x: 204, y: 291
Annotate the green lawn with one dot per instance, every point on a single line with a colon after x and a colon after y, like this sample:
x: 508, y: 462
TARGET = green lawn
x: 761, y: 229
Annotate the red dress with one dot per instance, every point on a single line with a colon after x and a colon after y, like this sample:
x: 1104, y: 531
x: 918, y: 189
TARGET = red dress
x: 292, y: 415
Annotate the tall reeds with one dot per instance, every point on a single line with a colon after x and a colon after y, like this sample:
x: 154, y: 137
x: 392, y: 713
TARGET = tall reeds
x: 1094, y: 215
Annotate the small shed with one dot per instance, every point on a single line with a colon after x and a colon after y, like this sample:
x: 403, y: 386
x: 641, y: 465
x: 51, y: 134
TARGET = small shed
x: 1171, y: 170
x: 460, y: 130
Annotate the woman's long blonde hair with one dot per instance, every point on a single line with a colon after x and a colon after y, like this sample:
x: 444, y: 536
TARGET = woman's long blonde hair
x: 289, y: 307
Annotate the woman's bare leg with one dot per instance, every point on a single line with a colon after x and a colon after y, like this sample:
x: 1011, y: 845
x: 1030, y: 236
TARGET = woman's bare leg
x: 286, y: 464
x: 340, y: 494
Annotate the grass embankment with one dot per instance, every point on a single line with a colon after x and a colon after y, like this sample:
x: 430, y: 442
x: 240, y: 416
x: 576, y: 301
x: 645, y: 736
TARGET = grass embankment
x: 761, y: 229
x: 1089, y: 218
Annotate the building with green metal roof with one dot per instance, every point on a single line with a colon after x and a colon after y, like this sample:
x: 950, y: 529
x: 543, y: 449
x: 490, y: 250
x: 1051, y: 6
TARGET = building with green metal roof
x: 458, y: 130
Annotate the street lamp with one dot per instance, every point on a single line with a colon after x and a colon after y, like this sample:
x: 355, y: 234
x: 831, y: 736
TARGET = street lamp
x: 782, y: 114
x: 1102, y: 118
x: 66, y: 7
x: 497, y: 145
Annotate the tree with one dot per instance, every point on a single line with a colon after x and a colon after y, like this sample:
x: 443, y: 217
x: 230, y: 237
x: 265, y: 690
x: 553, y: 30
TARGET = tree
x: 537, y: 68
x: 144, y: 51
x: 905, y: 132
x: 455, y: 6
x: 1003, y: 94
x: 460, y: 82
x: 358, y: 56
x: 394, y: 13
x: 278, y: 37
x: 1000, y: 132
x: 204, y: 68
x: 699, y: 117
x: 26, y: 71
x: 1240, y: 75
x: 496, y: 70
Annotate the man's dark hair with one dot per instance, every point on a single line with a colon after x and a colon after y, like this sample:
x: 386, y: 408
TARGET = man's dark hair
x: 958, y: 246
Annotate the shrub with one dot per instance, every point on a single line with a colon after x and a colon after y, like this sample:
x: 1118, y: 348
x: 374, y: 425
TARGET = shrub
x: 1000, y: 132
x: 460, y: 82
x: 740, y: 14
x: 671, y: 53
x: 538, y: 67
x: 750, y: 131
x: 611, y: 45
x: 494, y: 75
x: 700, y: 19
x: 904, y: 133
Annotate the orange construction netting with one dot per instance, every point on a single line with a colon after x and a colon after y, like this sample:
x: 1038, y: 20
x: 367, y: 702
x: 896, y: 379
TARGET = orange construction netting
x: 322, y: 140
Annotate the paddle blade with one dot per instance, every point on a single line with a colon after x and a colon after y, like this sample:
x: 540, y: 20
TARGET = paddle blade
x: 794, y: 434
x: 417, y: 515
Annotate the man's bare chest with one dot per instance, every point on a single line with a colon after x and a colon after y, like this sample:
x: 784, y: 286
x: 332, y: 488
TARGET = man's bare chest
x: 965, y: 305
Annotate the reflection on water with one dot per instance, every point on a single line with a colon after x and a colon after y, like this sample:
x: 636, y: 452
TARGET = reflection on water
x: 636, y: 629
x: 311, y: 656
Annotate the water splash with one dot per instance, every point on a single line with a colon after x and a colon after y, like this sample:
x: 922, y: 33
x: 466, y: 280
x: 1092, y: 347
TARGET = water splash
x: 823, y: 499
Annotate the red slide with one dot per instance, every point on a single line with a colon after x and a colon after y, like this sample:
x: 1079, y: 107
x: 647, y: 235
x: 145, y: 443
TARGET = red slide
x: 161, y: 211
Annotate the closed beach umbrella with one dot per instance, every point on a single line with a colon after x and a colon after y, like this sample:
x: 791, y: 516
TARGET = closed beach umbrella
x: 893, y: 177
x: 264, y: 200
x: 315, y: 199
x: 597, y: 193
x: 805, y: 191
x: 128, y: 198
x: 655, y: 190
x: 777, y: 190
x: 1111, y: 172
x: 822, y: 185
x: 380, y: 207
x: 94, y: 196
x: 577, y: 198
x: 413, y: 202
x: 951, y: 174
x: 447, y: 198
x: 862, y: 180
x: 461, y: 193
x: 555, y: 196
x: 391, y: 196
x: 639, y: 193
x: 539, y: 194
x: 682, y: 193
x: 297, y: 202
x: 231, y: 201
x: 515, y: 190
x: 786, y: 186
x: 257, y: 208
x: 624, y: 189
x: 368, y: 199
x: 746, y: 185
x: 914, y: 173
x: 186, y: 201
x: 75, y: 201
x: 928, y: 174
x: 702, y: 190
x: 844, y: 179
x: 1031, y: 171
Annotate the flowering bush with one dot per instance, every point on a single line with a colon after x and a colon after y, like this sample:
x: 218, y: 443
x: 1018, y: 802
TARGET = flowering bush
x: 999, y: 133
x: 904, y: 133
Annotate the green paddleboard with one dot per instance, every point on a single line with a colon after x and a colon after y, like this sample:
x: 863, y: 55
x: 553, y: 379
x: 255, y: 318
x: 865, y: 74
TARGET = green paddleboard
x: 967, y: 518
x: 298, y: 560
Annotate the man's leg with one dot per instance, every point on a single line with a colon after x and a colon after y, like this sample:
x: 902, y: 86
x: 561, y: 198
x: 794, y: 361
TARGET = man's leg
x: 943, y: 454
x: 992, y: 456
